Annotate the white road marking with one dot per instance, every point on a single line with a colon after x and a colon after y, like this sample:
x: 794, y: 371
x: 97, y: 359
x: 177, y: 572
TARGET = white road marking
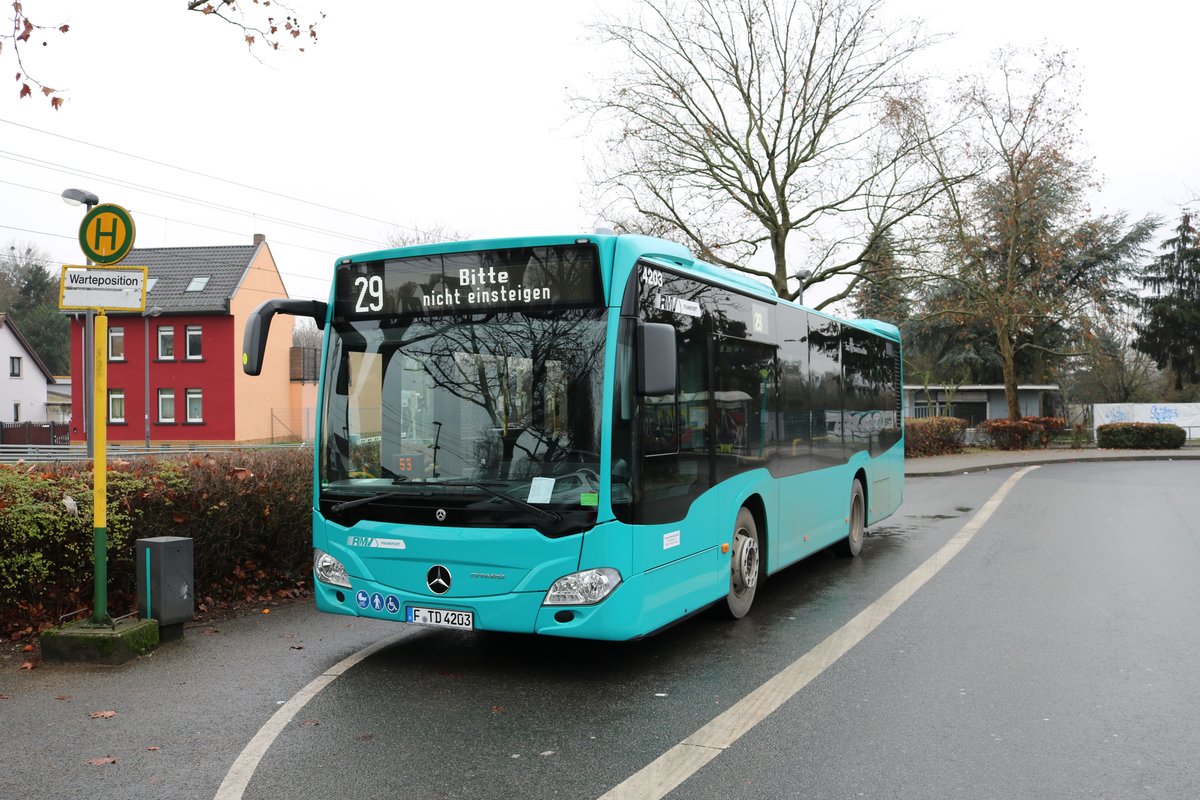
x: 242, y: 771
x: 687, y: 758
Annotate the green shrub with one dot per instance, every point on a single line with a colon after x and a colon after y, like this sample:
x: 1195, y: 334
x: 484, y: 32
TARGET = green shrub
x: 249, y: 515
x: 1140, y: 436
x: 933, y: 436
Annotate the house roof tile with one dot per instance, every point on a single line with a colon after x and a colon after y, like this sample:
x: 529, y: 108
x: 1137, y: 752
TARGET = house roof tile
x: 173, y: 268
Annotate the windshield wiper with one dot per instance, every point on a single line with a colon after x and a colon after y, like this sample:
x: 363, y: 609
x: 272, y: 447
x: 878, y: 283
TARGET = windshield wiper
x: 345, y: 505
x: 543, y: 513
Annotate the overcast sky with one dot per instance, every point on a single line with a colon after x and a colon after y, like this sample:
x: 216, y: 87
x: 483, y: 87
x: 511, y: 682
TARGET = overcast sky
x: 455, y: 115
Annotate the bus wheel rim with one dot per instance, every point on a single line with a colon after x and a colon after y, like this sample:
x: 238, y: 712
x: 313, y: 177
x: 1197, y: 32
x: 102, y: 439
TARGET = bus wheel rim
x: 745, y: 562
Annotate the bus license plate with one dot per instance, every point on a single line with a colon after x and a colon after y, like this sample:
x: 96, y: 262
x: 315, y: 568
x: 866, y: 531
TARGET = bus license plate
x: 443, y: 618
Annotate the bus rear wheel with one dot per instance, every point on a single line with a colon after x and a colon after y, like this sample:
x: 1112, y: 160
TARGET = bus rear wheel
x: 851, y: 546
x: 745, y: 566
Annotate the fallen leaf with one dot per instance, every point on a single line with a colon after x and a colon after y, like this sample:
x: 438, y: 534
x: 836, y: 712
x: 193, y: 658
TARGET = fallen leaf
x: 27, y: 648
x: 266, y: 611
x: 497, y: 709
x: 365, y: 737
x: 5, y: 697
x: 297, y: 647
x: 63, y: 697
x: 27, y: 665
x: 309, y: 723
x: 100, y: 762
x: 153, y: 748
x: 102, y: 715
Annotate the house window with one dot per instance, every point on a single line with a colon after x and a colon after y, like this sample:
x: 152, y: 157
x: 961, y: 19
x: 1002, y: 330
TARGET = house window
x: 116, y: 344
x: 195, y: 405
x: 166, y: 343
x: 116, y: 405
x: 198, y: 283
x: 14, y: 366
x: 16, y: 412
x: 166, y: 405
x: 193, y: 342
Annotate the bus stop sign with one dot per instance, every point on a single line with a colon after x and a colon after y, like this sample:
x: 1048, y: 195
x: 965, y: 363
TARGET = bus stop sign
x: 106, y: 234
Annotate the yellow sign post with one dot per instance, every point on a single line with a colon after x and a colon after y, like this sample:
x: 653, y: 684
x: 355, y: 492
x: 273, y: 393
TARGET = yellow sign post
x: 106, y: 237
x: 100, y: 475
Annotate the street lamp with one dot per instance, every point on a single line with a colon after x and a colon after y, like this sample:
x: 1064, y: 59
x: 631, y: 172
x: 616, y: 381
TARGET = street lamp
x: 154, y: 311
x: 802, y: 276
x: 82, y: 197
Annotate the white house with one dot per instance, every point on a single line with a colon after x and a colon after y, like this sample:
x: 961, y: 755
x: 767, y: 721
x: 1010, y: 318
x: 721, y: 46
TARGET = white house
x: 23, y: 377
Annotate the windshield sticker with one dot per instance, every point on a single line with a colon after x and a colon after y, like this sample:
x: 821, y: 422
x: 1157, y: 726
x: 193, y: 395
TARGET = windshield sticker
x: 368, y: 541
x: 670, y: 540
x: 589, y: 499
x: 540, y: 490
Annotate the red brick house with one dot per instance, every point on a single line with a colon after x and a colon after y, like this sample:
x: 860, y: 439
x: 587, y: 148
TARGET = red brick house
x: 197, y: 302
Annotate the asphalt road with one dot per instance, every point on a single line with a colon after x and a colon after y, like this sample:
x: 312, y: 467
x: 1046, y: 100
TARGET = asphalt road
x: 1054, y: 655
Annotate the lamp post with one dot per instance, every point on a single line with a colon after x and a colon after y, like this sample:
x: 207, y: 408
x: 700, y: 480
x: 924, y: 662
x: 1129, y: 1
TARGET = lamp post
x: 153, y: 311
x: 82, y: 197
x: 802, y: 276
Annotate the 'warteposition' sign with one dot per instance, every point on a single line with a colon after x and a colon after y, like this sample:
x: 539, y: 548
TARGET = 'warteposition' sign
x: 102, y: 288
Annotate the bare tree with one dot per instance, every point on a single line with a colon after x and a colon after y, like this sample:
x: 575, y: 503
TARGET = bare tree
x: 306, y: 334
x: 262, y: 23
x: 408, y: 236
x: 789, y: 125
x: 1018, y: 249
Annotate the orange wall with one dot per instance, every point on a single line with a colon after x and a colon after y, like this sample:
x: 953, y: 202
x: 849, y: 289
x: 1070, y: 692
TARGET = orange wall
x: 256, y: 397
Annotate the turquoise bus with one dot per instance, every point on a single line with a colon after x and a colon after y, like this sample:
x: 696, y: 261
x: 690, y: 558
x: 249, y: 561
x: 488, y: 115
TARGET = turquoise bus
x: 592, y: 436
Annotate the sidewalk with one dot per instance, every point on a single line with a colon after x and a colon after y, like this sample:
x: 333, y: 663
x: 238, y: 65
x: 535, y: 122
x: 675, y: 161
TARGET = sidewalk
x: 976, y: 460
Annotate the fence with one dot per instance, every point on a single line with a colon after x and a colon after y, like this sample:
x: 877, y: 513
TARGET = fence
x: 34, y: 433
x: 48, y: 454
x: 973, y: 413
x: 293, y: 424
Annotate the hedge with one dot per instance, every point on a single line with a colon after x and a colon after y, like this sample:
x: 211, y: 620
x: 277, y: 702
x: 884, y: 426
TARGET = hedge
x: 1140, y: 436
x: 933, y: 436
x: 248, y: 514
x: 1024, y: 434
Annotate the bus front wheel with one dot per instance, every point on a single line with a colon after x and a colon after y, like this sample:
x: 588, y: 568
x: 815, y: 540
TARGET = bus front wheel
x: 851, y: 546
x: 745, y: 566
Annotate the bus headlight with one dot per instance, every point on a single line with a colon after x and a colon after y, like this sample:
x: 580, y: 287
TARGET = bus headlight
x: 583, y: 588
x: 329, y: 570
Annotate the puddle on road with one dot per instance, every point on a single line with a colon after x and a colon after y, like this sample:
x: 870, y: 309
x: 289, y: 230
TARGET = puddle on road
x: 888, y: 531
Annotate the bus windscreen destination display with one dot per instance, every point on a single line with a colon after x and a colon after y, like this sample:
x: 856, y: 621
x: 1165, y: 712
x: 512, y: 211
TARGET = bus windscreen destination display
x: 514, y: 279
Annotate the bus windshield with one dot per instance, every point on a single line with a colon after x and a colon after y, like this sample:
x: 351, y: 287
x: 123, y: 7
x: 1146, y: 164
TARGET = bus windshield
x: 468, y: 411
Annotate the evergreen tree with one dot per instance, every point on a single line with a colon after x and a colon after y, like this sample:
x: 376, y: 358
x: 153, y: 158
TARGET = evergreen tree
x: 29, y: 292
x: 1170, y: 333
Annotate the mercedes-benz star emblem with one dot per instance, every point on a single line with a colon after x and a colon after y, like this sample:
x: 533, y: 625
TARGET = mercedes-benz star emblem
x: 438, y: 579
x: 440, y: 514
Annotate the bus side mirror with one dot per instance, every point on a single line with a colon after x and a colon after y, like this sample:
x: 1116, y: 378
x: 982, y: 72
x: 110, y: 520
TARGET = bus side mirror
x: 254, y: 340
x: 656, y: 371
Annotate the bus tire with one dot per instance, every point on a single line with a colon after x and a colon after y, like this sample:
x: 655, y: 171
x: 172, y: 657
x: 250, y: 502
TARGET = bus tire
x: 745, y: 565
x: 851, y: 546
